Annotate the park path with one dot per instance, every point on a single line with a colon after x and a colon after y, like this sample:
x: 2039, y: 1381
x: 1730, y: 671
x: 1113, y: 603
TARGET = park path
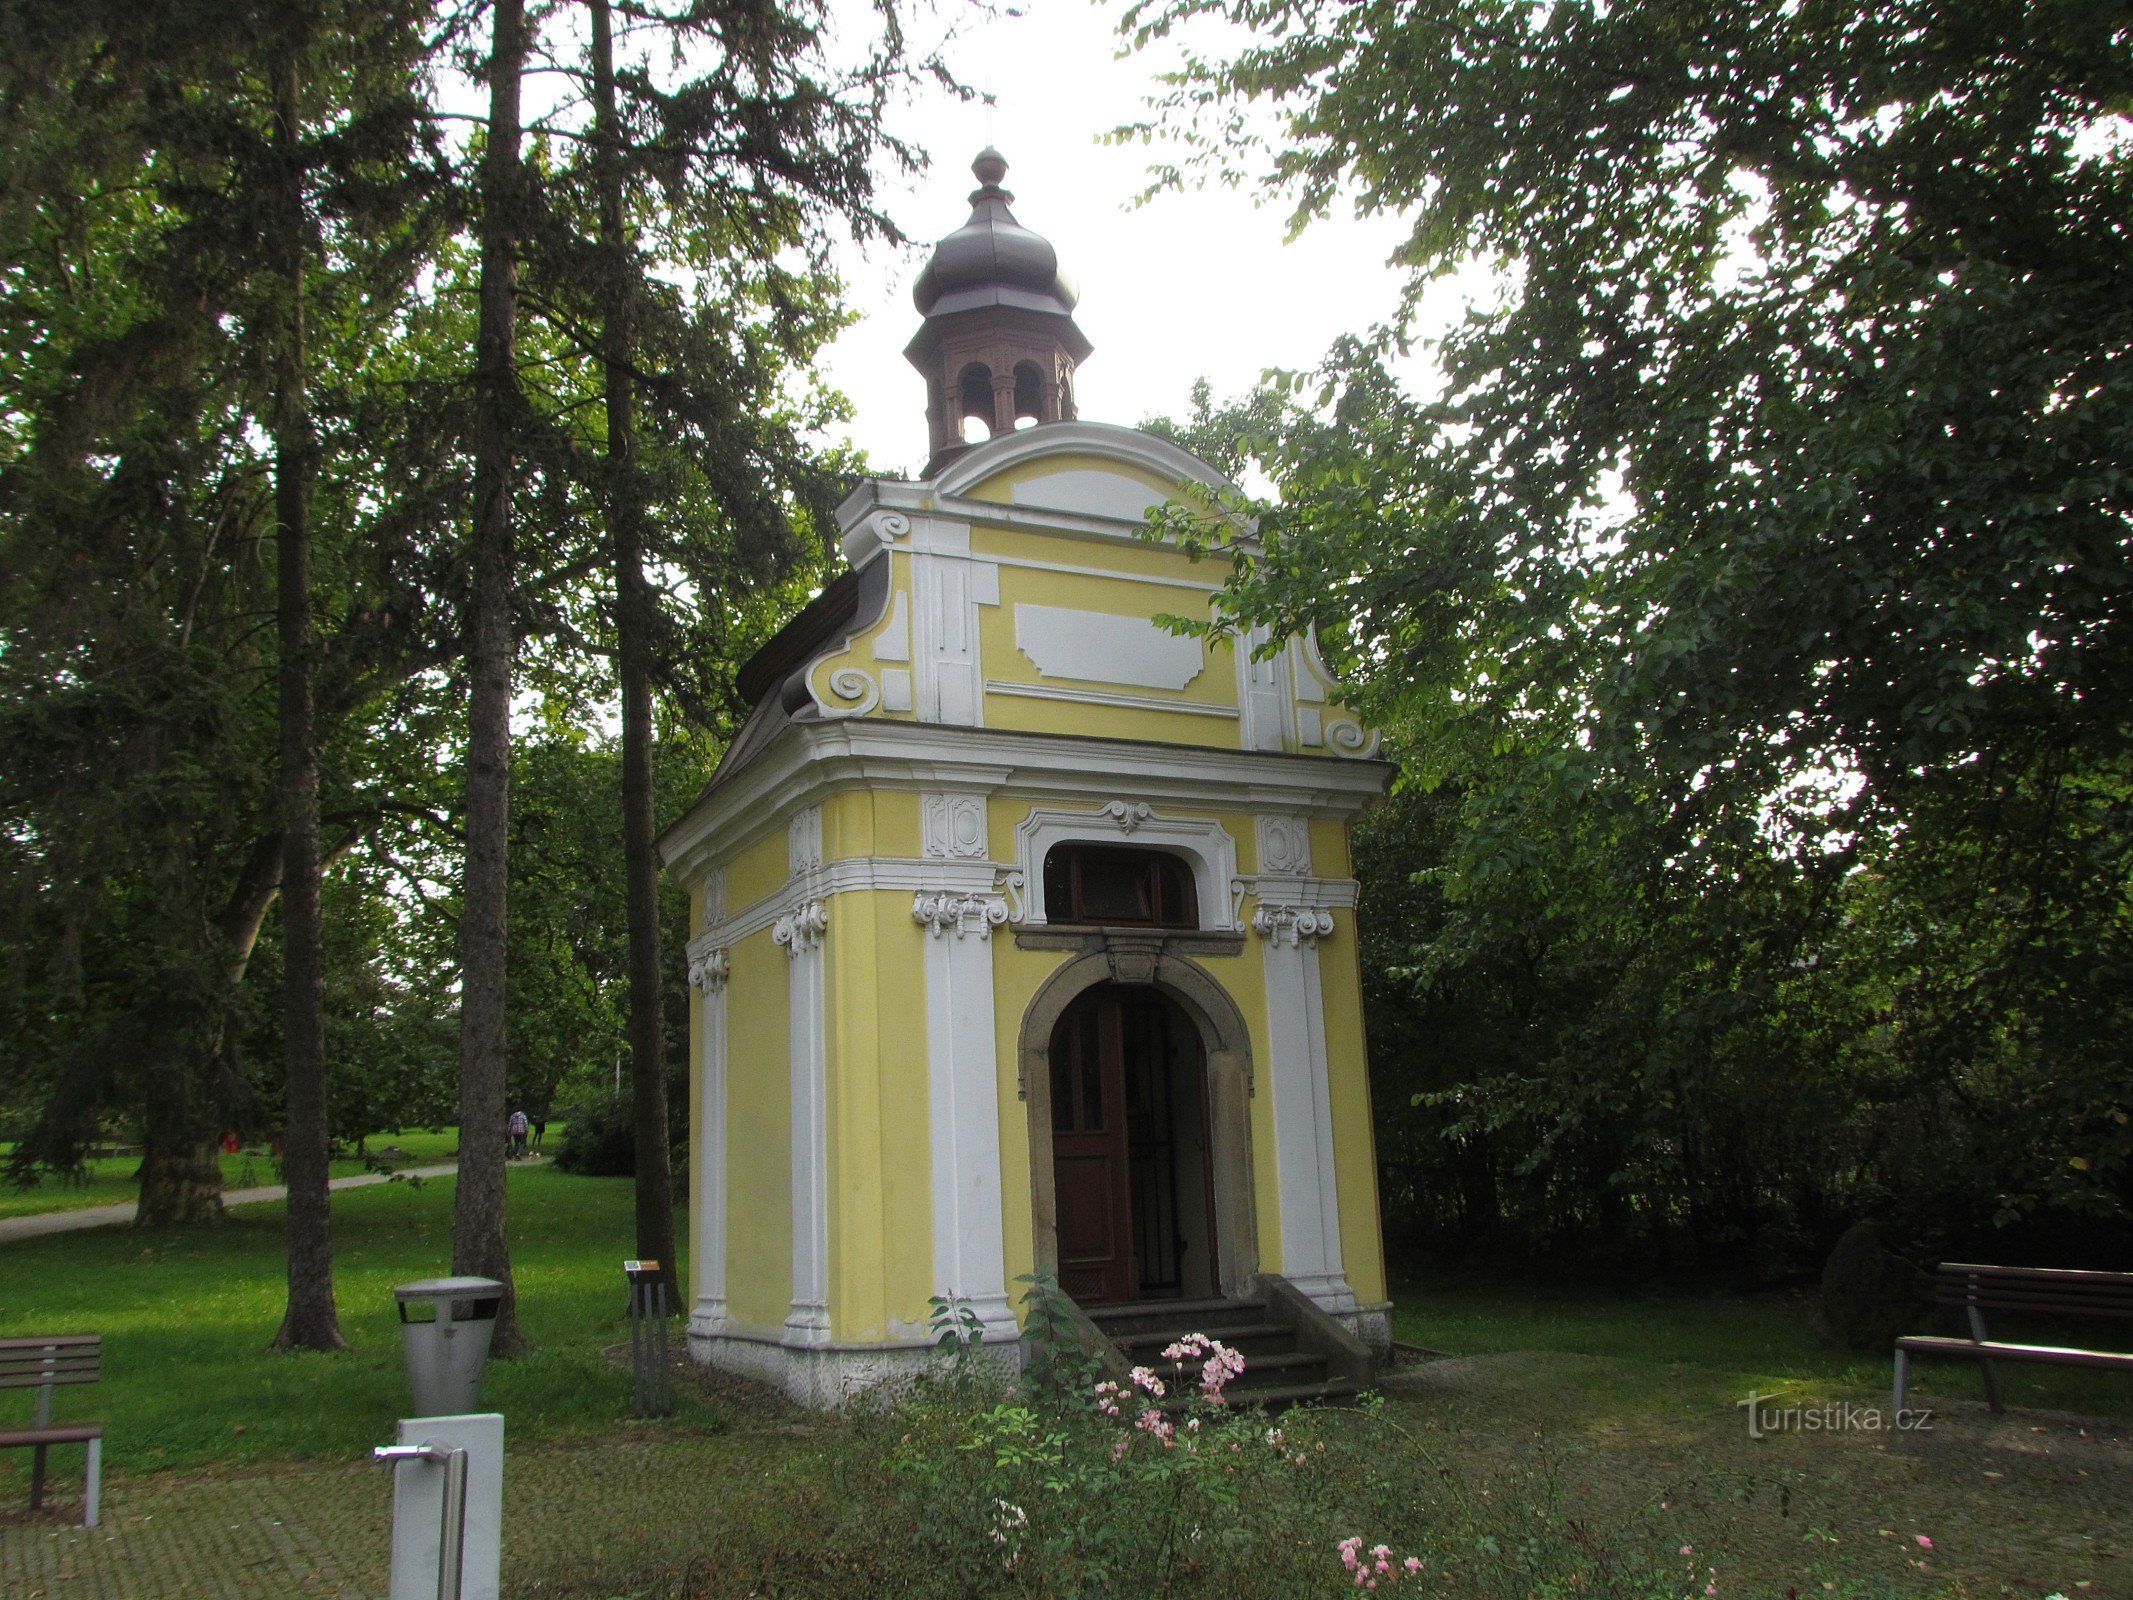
x: 40, y: 1223
x: 323, y: 1530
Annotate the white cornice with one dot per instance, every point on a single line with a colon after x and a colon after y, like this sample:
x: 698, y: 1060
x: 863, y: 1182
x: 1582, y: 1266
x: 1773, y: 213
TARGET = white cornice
x: 1090, y: 525
x: 898, y: 522
x: 853, y: 875
x: 807, y: 761
x: 947, y: 495
x: 974, y: 881
x: 1105, y: 697
x: 1104, y: 440
x: 1303, y: 894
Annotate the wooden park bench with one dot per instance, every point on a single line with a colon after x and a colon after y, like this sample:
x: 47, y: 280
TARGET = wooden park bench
x: 43, y: 1364
x: 2041, y: 1291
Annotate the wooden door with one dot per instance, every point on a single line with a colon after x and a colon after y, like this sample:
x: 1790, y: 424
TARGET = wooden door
x: 1091, y: 1162
x: 1152, y: 1093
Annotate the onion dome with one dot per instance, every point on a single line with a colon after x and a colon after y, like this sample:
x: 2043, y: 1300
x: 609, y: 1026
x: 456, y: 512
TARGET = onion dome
x: 992, y: 260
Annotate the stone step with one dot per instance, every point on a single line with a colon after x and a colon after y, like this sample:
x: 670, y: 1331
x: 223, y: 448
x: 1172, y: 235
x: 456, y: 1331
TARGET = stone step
x: 1276, y: 1372
x: 1177, y: 1317
x: 1260, y: 1372
x: 1251, y: 1338
x: 1321, y: 1391
x: 1292, y: 1366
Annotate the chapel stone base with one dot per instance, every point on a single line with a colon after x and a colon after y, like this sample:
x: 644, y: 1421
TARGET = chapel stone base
x: 825, y: 1377
x: 1371, y: 1323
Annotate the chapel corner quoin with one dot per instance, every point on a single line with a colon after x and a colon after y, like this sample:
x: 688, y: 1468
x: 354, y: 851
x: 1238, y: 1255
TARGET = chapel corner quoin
x: 1023, y: 927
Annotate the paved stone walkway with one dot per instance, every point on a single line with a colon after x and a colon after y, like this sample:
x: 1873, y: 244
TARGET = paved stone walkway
x: 39, y: 1223
x: 323, y: 1531
x: 574, y: 1509
x: 263, y: 1534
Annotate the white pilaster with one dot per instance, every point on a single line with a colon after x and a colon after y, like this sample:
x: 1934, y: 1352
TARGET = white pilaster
x: 949, y: 585
x: 801, y: 932
x: 1303, y: 1112
x: 708, y: 969
x: 969, y: 1252
x: 963, y: 1080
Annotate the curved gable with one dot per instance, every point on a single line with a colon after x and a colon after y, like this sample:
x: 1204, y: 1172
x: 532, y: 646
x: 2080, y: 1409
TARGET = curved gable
x: 1018, y: 590
x: 1088, y: 469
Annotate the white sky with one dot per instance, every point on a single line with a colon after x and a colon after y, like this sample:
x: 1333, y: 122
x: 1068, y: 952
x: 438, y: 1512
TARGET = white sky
x: 1192, y: 285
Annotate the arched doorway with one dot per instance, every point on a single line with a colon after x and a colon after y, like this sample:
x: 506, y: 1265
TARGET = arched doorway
x: 1131, y: 1149
x: 1138, y: 1077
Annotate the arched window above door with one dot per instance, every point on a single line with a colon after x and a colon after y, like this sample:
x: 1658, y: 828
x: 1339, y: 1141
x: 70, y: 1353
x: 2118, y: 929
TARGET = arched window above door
x: 1200, y: 845
x: 1118, y: 886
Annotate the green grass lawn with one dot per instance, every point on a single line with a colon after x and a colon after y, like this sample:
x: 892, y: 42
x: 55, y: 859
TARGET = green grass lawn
x: 111, y: 1181
x: 1614, y: 1402
x: 187, y: 1316
x: 1697, y: 1344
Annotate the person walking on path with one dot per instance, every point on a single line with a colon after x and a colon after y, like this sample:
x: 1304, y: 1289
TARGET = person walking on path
x: 518, y: 1127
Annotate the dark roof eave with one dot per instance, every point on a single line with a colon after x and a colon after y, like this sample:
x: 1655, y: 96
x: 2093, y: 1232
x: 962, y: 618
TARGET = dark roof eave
x: 937, y: 326
x: 816, y: 624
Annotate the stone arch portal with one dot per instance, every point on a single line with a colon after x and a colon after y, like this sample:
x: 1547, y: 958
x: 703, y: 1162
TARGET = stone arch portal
x: 1228, y: 1075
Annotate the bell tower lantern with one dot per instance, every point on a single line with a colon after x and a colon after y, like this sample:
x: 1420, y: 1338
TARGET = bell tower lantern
x: 998, y: 344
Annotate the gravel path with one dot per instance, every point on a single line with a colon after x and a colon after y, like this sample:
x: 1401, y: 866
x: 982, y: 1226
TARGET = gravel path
x: 40, y: 1223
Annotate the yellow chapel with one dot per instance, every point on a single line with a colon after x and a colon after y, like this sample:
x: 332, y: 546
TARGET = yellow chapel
x: 1023, y: 928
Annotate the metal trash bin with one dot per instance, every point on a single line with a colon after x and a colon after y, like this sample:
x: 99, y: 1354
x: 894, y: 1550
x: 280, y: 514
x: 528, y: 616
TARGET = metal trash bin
x: 447, y: 1350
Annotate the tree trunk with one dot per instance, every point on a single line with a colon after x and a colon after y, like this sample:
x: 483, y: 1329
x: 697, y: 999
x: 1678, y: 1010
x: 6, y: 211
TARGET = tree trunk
x: 191, y: 1090
x: 310, y: 1321
x: 181, y: 1183
x: 633, y: 619
x: 479, y: 1243
x: 181, y: 1160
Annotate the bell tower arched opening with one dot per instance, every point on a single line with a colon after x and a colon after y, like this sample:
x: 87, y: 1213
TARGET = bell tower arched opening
x: 974, y: 395
x: 1030, y: 395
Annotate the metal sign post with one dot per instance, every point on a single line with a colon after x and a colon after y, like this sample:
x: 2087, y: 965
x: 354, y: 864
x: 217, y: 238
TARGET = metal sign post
x: 651, y: 1385
x: 448, y: 1507
x: 451, y: 1513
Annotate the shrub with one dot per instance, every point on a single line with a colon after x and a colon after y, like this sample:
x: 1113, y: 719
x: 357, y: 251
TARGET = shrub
x: 598, y: 1140
x: 1869, y: 1295
x: 1071, y: 1486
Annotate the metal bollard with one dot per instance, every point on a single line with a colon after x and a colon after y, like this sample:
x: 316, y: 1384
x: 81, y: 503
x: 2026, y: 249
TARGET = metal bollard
x: 651, y: 1380
x: 452, y: 1515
